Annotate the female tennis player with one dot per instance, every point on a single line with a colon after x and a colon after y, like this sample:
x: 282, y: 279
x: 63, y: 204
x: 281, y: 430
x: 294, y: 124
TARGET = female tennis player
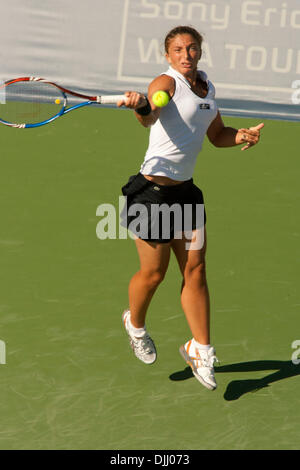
x: 176, y: 137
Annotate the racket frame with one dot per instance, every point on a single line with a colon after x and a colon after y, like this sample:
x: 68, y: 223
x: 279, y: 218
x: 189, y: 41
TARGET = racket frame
x: 103, y: 99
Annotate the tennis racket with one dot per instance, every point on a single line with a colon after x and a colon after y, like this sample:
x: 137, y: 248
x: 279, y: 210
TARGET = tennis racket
x: 29, y: 102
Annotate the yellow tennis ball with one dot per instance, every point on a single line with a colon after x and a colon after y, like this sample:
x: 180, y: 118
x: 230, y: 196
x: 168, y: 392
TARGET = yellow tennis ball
x: 57, y: 101
x: 160, y: 99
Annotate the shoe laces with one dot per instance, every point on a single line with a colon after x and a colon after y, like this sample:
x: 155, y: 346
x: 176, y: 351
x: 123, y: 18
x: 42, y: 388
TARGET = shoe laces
x: 204, y: 359
x: 143, y: 344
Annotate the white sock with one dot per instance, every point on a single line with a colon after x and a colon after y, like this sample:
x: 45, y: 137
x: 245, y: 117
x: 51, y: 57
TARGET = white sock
x: 203, y: 347
x: 136, y: 331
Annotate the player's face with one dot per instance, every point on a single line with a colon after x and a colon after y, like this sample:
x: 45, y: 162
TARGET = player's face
x: 183, y: 54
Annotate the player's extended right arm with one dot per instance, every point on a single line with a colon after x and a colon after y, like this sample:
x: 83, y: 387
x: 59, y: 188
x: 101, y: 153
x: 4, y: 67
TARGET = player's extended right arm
x: 138, y: 101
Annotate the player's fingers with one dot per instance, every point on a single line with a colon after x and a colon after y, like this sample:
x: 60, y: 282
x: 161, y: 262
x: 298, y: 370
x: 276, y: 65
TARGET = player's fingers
x: 134, y: 100
x: 125, y: 101
x: 246, y: 146
x: 244, y: 135
x: 140, y: 101
x: 121, y: 103
x: 255, y: 130
x: 248, y: 140
x: 258, y: 127
x: 249, y: 137
x: 131, y: 99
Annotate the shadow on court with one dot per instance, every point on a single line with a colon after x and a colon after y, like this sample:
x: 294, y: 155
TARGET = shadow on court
x: 237, y: 388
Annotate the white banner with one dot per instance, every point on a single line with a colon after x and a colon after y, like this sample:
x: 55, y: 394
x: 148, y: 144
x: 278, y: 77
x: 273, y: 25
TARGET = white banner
x: 251, y: 50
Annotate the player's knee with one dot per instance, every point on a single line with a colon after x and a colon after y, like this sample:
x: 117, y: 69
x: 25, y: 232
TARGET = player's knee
x: 153, y: 278
x: 195, y: 274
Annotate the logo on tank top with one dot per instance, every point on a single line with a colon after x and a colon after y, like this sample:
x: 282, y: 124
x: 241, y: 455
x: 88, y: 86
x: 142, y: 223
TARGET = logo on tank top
x: 204, y: 106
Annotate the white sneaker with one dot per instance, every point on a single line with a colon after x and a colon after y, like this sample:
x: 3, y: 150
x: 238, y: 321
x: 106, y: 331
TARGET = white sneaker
x: 143, y: 346
x: 201, y: 362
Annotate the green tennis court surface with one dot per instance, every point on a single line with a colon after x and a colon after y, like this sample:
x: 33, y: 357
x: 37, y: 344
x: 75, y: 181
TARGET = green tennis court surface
x: 71, y: 380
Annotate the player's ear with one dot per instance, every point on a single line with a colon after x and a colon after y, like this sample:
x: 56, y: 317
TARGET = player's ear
x: 167, y: 58
x: 200, y: 53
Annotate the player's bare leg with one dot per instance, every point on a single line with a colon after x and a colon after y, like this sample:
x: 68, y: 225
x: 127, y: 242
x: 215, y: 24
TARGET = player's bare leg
x: 154, y: 261
x: 194, y: 293
x: 197, y: 352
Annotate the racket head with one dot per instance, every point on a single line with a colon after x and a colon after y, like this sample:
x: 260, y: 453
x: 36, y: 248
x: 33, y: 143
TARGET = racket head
x: 30, y: 102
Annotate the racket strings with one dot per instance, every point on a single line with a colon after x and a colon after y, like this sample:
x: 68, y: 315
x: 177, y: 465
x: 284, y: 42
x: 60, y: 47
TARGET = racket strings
x: 30, y: 102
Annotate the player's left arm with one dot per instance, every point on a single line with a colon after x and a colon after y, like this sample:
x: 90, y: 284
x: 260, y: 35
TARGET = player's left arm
x: 222, y: 136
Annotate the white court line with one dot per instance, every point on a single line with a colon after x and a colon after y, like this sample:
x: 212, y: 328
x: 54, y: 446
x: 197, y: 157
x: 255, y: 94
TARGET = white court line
x: 172, y: 318
x: 270, y: 113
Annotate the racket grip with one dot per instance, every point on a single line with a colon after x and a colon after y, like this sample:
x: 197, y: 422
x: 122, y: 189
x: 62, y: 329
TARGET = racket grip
x: 110, y: 99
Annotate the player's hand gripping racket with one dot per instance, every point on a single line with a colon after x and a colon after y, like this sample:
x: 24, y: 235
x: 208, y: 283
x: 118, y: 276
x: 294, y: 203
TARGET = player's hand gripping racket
x: 32, y: 102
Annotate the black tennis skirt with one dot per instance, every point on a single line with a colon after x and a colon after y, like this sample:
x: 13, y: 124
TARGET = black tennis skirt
x: 159, y: 213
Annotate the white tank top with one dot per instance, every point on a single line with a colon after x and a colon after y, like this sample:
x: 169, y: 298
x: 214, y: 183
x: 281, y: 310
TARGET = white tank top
x: 176, y: 137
